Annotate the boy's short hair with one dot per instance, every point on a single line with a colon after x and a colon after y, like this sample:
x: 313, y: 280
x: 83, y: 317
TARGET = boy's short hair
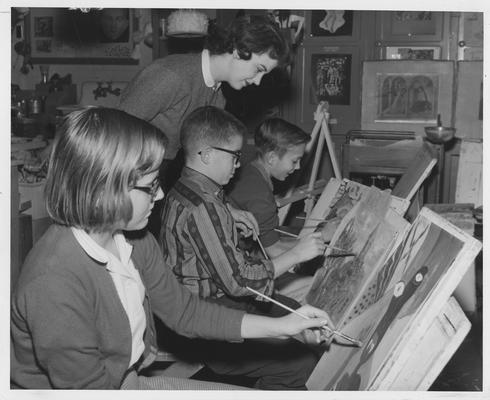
x: 209, y: 126
x: 97, y: 155
x: 257, y: 35
x: 278, y: 135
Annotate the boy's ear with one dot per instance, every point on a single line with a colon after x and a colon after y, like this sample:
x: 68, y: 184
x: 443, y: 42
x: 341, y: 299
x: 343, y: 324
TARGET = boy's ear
x: 235, y: 54
x: 205, y: 156
x: 271, y: 157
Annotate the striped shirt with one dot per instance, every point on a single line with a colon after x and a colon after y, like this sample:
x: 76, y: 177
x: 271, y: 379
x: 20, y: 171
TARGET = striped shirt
x: 199, y: 240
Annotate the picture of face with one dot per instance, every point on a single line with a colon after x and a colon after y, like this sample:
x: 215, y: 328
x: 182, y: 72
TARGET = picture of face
x: 114, y: 25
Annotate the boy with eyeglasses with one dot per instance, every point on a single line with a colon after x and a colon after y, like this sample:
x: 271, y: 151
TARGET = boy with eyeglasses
x: 199, y: 236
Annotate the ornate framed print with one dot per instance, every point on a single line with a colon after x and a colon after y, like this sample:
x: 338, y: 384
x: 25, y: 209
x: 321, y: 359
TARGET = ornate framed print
x: 331, y: 78
x: 406, y: 95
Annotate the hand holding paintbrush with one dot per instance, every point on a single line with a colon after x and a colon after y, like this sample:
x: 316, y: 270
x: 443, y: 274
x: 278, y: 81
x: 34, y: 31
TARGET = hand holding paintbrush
x: 329, y: 329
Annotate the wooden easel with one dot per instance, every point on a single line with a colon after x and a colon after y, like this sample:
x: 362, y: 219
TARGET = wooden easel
x: 314, y: 186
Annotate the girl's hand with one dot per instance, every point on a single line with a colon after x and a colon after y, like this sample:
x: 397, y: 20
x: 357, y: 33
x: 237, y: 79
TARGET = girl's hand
x: 309, y: 329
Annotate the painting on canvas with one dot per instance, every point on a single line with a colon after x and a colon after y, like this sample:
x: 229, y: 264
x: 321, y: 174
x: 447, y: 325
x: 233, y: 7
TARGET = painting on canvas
x: 409, y: 290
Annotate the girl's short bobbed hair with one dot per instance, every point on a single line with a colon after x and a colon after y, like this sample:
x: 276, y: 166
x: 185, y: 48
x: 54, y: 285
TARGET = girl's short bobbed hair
x: 278, y: 135
x: 250, y: 36
x: 98, y: 155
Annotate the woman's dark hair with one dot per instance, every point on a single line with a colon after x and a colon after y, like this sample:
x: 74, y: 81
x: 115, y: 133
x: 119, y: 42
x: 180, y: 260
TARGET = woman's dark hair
x: 257, y: 35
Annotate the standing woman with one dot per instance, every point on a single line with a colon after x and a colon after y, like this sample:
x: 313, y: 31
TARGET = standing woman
x: 170, y: 88
x: 82, y: 309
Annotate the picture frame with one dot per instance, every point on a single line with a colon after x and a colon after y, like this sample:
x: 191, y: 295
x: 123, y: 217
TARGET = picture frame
x: 406, y: 94
x: 413, y: 25
x: 330, y: 78
x: 72, y: 36
x: 412, y: 53
x: 334, y: 25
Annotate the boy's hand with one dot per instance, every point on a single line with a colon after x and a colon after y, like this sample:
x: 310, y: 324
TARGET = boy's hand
x: 309, y: 246
x: 245, y: 221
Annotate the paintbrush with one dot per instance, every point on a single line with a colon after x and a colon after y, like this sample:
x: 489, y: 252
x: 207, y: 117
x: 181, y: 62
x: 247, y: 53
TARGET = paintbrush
x: 314, y: 219
x: 256, y: 237
x: 330, y: 330
x: 344, y: 253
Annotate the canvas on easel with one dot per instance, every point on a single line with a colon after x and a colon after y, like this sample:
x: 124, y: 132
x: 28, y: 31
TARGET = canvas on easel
x: 369, y: 235
x: 411, y: 288
x: 340, y: 196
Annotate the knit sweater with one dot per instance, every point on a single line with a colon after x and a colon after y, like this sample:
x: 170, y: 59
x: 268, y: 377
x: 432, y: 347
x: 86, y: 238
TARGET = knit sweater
x: 166, y: 91
x: 69, y: 328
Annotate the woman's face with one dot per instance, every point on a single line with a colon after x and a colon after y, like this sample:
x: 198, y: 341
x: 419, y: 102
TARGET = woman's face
x: 282, y: 167
x: 249, y: 72
x: 142, y: 201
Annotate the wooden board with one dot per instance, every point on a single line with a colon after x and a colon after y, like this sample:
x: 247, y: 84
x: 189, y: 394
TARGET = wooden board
x: 412, y: 286
x: 418, y: 170
x: 469, y: 182
x: 469, y: 100
x: 424, y: 355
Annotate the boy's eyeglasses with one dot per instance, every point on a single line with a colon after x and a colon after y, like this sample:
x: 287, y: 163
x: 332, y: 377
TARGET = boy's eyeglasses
x: 235, y: 153
x: 151, y: 190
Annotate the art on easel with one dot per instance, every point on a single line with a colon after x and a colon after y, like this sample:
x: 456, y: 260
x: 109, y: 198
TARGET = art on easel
x: 366, y: 233
x: 407, y: 293
x: 337, y: 199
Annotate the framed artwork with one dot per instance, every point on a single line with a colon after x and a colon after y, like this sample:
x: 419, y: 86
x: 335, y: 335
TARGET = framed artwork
x: 365, y: 232
x: 332, y: 25
x: 412, y: 53
x: 413, y: 25
x: 70, y: 36
x: 331, y: 78
x: 468, y: 119
x: 400, y: 302
x: 331, y: 22
x: 406, y: 95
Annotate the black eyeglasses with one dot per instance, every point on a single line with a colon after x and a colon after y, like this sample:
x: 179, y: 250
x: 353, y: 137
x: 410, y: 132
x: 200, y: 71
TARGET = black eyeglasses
x: 151, y: 190
x: 235, y: 153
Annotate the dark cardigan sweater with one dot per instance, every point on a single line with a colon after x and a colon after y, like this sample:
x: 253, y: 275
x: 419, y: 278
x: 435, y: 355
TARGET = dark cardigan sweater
x: 69, y: 328
x: 168, y: 90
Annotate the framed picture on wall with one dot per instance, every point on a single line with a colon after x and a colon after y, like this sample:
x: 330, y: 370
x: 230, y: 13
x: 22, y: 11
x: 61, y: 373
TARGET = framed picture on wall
x: 331, y: 22
x: 338, y: 25
x: 72, y: 36
x: 412, y: 53
x: 413, y: 25
x: 330, y: 78
x: 406, y: 95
